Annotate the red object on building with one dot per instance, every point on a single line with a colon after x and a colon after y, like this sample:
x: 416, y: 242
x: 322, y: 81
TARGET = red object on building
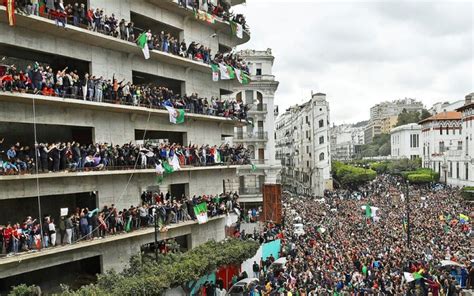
x: 272, y: 203
x: 225, y: 273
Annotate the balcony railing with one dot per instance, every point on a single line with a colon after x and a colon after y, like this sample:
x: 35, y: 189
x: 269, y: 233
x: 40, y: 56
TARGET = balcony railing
x: 263, y: 77
x: 258, y: 161
x: 252, y: 136
x: 259, y: 108
x: 250, y: 190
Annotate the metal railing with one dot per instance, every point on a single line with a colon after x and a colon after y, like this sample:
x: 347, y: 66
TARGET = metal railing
x: 263, y: 77
x: 252, y: 136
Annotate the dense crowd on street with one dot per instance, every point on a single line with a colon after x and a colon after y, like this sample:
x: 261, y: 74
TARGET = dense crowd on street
x: 344, y: 251
x: 72, y: 156
x: 66, y: 83
x: 98, y: 21
x: 88, y: 224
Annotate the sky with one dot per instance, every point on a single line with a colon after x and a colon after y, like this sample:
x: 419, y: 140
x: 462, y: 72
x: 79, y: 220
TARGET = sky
x: 361, y: 53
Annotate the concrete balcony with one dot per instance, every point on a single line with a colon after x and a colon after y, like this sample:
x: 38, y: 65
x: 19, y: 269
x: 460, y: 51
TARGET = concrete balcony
x: 65, y: 102
x: 251, y: 137
x: 43, y: 25
x: 115, y: 251
x: 107, y: 172
x: 188, y: 13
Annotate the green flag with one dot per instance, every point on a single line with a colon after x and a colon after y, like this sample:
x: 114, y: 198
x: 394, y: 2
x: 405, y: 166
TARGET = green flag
x: 231, y: 72
x: 168, y: 169
x: 215, y: 72
x: 200, y: 211
x: 245, y: 78
x: 143, y: 44
x: 368, y: 210
x: 176, y: 115
x: 254, y: 167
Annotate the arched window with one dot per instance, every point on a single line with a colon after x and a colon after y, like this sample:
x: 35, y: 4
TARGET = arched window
x: 321, y: 156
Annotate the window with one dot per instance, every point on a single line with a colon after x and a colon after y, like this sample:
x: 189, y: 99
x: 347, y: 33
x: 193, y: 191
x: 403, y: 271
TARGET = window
x: 307, y: 120
x: 459, y: 145
x: 440, y: 130
x: 321, y: 156
x: 321, y: 140
x: 457, y: 170
x: 414, y: 141
x: 441, y: 147
x: 467, y: 170
x: 307, y: 149
x: 450, y: 174
x: 307, y: 164
x: 467, y: 146
x: 258, y: 70
x: 321, y: 123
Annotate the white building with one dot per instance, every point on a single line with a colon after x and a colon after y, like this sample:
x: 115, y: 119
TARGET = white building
x: 405, y: 141
x: 259, y: 135
x: 303, y: 145
x: 442, y: 144
x: 445, y: 106
x: 344, y: 141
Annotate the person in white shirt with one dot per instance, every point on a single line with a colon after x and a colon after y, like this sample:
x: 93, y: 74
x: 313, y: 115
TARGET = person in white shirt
x: 52, y: 232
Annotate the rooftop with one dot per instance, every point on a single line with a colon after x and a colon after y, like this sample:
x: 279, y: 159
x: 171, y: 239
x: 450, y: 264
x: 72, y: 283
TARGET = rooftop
x: 410, y: 126
x: 450, y: 115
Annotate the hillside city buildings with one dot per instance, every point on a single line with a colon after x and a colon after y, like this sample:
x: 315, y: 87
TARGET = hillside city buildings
x: 303, y: 147
x: 28, y: 119
x: 383, y: 116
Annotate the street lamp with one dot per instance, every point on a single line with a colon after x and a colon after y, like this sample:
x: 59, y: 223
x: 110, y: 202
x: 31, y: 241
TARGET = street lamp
x: 408, y: 213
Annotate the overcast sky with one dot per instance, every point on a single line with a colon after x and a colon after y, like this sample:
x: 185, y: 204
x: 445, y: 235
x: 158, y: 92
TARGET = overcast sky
x: 360, y: 53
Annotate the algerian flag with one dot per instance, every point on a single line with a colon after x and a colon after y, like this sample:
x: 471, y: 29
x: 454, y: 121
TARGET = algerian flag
x: 200, y: 211
x: 238, y: 74
x: 143, y: 44
x: 368, y: 211
x: 215, y: 72
x: 225, y: 74
x: 231, y: 72
x: 176, y: 115
x: 166, y: 166
x: 239, y: 31
x: 410, y: 277
x: 175, y: 163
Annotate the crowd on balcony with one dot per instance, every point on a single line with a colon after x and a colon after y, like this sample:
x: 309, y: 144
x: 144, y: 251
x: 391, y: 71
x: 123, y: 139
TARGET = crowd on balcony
x: 66, y: 83
x: 96, y: 20
x: 347, y: 250
x: 72, y: 156
x: 83, y: 224
x: 217, y: 8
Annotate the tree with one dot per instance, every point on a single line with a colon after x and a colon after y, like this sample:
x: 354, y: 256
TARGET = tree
x: 146, y: 276
x: 406, y: 117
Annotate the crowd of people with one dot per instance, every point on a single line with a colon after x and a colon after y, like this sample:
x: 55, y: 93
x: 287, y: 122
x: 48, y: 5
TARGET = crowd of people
x: 344, y: 251
x: 98, y: 21
x: 73, y: 156
x: 87, y: 224
x: 66, y: 83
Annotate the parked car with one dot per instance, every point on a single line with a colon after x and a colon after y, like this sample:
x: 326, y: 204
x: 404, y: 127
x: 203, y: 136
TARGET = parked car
x: 242, y: 287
